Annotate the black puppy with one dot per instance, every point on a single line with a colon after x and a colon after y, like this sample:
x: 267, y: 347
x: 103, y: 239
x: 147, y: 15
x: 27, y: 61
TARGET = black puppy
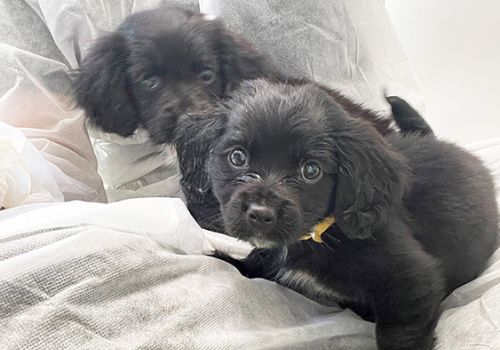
x: 197, y: 134
x: 407, y: 218
x: 160, y: 64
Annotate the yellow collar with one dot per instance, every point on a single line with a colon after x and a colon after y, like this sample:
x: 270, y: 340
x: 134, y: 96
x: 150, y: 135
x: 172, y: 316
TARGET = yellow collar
x: 319, y: 229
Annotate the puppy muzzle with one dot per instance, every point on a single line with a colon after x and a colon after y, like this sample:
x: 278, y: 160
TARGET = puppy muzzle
x: 258, y: 212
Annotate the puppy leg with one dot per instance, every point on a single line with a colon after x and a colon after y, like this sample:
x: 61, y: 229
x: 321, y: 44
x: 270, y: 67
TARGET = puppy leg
x: 407, y: 118
x: 405, y: 337
x: 408, y: 333
x: 360, y: 309
x: 407, y: 301
x: 260, y: 263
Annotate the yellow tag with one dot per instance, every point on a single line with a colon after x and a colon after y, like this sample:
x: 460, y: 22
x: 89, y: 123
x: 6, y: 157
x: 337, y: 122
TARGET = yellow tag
x: 319, y: 229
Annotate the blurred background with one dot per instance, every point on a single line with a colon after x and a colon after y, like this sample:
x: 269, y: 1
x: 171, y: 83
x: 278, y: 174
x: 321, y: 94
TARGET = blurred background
x: 454, y: 49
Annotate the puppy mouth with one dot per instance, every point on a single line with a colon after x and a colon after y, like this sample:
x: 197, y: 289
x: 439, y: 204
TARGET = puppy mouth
x: 262, y: 224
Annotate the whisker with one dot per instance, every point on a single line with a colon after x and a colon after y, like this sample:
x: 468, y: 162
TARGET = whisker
x: 313, y: 247
x: 328, y: 246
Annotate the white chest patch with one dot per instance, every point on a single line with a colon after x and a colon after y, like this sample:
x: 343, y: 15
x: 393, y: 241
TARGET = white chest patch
x: 304, y: 283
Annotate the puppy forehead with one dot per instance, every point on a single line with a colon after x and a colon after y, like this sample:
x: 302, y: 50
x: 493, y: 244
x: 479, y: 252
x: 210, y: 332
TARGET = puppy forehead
x: 273, y: 120
x: 171, y: 37
x: 162, y: 19
x: 185, y: 48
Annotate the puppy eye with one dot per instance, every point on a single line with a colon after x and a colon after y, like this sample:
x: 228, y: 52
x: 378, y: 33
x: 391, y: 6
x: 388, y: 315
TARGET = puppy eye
x: 151, y: 83
x: 311, y: 171
x: 207, y: 76
x: 238, y: 158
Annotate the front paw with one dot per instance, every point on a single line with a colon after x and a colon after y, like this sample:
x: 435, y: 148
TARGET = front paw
x: 219, y: 254
x: 259, y: 263
x: 244, y: 266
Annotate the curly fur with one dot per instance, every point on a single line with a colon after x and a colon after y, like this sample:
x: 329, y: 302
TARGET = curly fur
x: 196, y: 134
x: 416, y: 217
x: 176, y: 47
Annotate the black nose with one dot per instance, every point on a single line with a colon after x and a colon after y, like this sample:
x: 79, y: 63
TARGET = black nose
x: 261, y: 216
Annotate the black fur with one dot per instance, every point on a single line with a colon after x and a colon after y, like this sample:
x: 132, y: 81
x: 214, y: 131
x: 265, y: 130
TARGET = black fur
x: 407, y: 118
x: 196, y: 135
x: 174, y: 46
x: 174, y: 49
x: 416, y: 217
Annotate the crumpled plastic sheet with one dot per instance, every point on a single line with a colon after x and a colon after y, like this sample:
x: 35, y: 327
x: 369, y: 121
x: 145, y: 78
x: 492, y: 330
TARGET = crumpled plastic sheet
x: 347, y: 44
x: 25, y: 177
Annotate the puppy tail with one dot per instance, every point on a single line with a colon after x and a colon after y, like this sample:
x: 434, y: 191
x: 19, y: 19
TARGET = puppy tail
x: 407, y: 118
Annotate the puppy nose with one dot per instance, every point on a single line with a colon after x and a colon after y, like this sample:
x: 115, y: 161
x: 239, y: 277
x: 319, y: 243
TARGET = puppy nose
x: 260, y: 216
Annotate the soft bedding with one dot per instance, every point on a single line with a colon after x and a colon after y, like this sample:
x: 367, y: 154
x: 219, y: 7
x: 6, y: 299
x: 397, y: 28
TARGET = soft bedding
x: 131, y: 275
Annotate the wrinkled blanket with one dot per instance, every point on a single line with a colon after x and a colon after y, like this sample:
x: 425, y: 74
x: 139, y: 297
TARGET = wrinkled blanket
x: 131, y: 275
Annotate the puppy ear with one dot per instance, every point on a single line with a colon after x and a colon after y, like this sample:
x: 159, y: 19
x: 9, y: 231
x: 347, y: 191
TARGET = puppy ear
x: 195, y: 138
x: 101, y: 86
x: 371, y: 183
x: 202, y: 130
x: 239, y: 60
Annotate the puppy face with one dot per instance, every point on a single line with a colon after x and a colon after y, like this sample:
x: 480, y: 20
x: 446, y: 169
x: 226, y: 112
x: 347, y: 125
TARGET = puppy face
x: 161, y: 64
x: 290, y: 156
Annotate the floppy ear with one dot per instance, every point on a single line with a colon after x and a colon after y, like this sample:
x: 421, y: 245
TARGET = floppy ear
x: 101, y: 86
x: 195, y: 138
x: 372, y: 180
x: 239, y: 60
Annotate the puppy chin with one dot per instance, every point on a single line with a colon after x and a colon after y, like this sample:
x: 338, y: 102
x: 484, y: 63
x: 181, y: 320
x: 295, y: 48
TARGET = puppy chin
x: 258, y: 242
x: 237, y: 227
x: 256, y: 239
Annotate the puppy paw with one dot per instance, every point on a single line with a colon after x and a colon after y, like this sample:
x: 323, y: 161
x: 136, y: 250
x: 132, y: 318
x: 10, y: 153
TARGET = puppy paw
x: 239, y: 264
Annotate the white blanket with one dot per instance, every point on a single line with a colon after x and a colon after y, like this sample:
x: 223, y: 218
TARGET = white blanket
x: 131, y: 275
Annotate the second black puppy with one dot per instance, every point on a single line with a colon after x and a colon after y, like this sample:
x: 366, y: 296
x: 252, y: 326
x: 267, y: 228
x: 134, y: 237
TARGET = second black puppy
x: 160, y: 64
x: 396, y: 223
